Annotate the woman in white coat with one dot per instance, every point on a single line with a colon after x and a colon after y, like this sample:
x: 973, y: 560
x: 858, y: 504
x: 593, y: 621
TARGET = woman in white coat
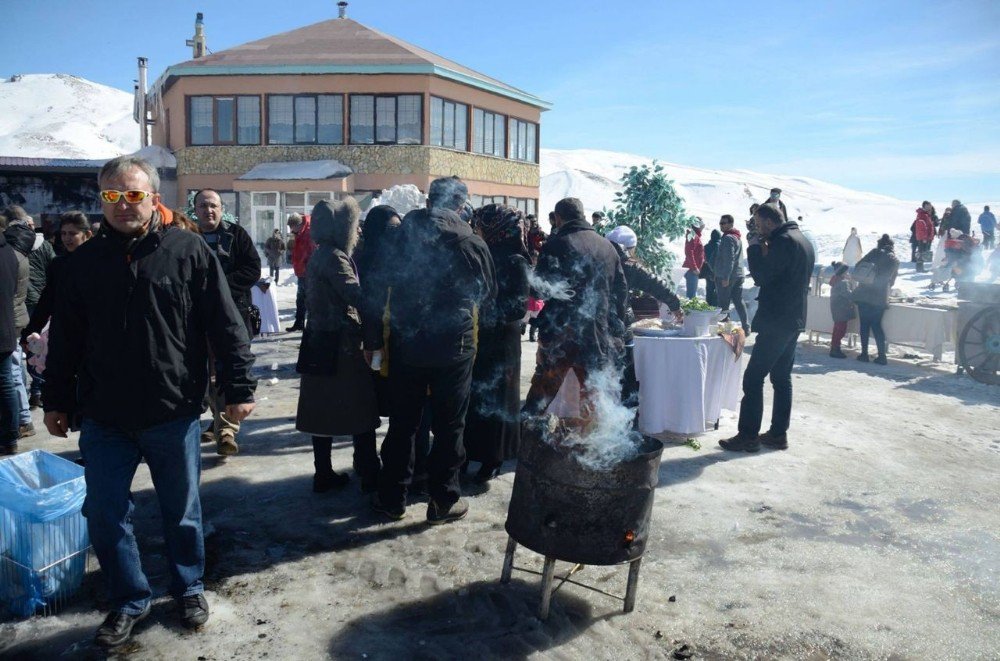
x: 852, y: 249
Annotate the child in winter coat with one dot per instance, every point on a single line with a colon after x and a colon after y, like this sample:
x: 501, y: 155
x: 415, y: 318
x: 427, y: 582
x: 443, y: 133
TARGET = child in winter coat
x: 841, y: 307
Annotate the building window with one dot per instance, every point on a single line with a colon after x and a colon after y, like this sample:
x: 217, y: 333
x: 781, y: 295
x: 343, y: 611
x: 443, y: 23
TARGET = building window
x: 478, y: 201
x: 449, y: 123
x: 386, y: 120
x: 488, y: 134
x: 523, y: 136
x: 525, y: 204
x: 224, y: 120
x: 305, y: 119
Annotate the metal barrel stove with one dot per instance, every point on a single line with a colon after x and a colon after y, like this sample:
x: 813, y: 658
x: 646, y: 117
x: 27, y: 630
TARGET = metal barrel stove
x: 566, y: 511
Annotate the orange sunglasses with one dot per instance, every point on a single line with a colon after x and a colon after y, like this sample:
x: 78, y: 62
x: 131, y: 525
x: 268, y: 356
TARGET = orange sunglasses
x: 131, y: 196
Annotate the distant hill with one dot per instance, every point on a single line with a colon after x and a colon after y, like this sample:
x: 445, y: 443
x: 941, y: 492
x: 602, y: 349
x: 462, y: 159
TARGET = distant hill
x: 62, y: 116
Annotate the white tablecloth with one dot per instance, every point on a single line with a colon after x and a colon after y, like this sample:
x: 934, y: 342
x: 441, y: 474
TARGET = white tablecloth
x: 911, y: 325
x: 268, y: 304
x: 685, y: 382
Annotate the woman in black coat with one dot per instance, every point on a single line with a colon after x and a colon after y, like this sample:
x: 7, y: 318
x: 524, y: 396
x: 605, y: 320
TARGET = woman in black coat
x: 492, y: 425
x: 873, y: 297
x: 336, y: 395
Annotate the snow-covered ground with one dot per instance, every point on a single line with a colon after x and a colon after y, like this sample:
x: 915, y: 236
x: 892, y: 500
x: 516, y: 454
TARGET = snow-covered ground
x: 875, y: 536
x: 63, y: 116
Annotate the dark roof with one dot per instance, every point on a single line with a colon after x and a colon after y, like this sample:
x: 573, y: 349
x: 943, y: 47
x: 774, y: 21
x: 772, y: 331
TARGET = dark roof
x: 340, y: 45
x: 50, y: 163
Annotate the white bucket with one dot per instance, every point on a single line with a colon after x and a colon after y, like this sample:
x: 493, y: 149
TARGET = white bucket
x: 696, y: 324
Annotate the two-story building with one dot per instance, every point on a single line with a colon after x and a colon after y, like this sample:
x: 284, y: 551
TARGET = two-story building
x: 337, y: 108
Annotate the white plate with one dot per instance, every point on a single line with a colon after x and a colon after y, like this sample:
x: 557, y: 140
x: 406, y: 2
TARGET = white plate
x: 655, y: 332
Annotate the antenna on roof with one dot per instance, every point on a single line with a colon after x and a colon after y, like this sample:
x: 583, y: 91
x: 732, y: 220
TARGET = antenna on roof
x: 342, y: 9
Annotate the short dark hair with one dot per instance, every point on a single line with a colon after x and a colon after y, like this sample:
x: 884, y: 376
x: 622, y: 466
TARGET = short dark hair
x: 448, y: 192
x: 754, y: 207
x: 770, y: 213
x: 77, y: 219
x: 552, y: 215
x: 570, y: 208
x: 208, y: 190
x: 727, y: 219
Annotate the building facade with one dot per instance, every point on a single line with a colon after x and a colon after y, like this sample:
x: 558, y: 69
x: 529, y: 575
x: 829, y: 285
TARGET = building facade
x: 337, y: 109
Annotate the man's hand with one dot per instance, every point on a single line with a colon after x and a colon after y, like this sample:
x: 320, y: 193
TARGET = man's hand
x: 235, y: 412
x: 678, y: 315
x: 724, y: 283
x: 57, y: 423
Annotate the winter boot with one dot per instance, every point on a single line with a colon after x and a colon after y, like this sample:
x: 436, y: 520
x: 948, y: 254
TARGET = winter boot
x: 226, y: 446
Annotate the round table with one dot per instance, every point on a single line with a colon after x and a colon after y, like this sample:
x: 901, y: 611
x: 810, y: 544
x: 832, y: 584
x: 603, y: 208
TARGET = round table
x: 685, y: 382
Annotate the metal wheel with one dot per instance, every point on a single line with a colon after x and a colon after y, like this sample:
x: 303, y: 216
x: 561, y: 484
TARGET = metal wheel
x: 979, y: 346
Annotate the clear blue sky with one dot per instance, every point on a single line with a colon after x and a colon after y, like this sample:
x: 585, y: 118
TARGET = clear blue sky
x: 892, y: 96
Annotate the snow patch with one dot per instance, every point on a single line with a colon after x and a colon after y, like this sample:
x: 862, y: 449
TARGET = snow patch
x: 322, y: 169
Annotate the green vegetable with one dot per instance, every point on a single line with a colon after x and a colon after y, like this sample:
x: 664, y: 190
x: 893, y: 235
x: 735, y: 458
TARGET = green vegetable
x: 693, y: 444
x: 697, y: 305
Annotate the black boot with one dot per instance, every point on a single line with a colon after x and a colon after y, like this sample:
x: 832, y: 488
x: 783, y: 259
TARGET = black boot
x: 325, y: 478
x: 366, y: 461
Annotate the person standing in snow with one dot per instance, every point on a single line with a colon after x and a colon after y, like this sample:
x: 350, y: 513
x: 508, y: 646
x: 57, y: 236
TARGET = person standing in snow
x: 442, y: 273
x: 988, y: 224
x: 923, y: 233
x: 241, y: 264
x: 129, y: 350
x: 274, y: 252
x: 841, y: 307
x: 694, y: 257
x: 774, y: 199
x: 9, y: 407
x: 337, y: 394
x: 961, y: 219
x: 301, y: 250
x: 781, y: 262
x: 711, y: 295
x: 583, y: 331
x: 852, y: 249
x: 21, y: 238
x: 728, y: 269
x: 42, y: 254
x: 872, y: 298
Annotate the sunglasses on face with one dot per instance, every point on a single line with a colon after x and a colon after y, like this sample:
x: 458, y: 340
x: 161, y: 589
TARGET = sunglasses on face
x: 131, y: 196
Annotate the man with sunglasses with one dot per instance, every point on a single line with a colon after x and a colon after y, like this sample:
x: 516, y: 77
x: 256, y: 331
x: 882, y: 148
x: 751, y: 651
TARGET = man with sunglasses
x: 128, y: 352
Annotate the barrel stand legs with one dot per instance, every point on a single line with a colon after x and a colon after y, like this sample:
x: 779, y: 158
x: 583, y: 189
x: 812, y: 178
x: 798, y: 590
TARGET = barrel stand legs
x: 508, y: 561
x: 633, y: 585
x: 548, y: 572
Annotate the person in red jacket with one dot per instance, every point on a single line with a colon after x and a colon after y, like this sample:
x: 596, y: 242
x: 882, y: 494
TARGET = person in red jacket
x: 924, y: 232
x: 694, y: 257
x: 303, y: 250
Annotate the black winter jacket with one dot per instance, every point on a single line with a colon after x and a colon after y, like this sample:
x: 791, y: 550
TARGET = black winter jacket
x: 21, y: 238
x: 8, y: 285
x: 133, y: 322
x: 783, y: 275
x: 886, y: 269
x: 43, y: 309
x: 961, y: 219
x: 240, y: 262
x: 593, y: 318
x: 39, y: 259
x: 439, y: 273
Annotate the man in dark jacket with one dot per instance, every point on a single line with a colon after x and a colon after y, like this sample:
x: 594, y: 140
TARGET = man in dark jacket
x: 961, y: 219
x: 21, y: 238
x: 727, y: 269
x: 9, y: 432
x: 241, y: 264
x: 128, y: 350
x: 582, y: 327
x: 439, y: 275
x: 41, y: 256
x: 781, y: 263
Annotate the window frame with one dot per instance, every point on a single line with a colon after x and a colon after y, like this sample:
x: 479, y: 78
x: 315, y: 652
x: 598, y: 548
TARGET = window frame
x: 515, y: 136
x: 492, y: 129
x: 421, y: 138
x: 315, y: 96
x: 468, y: 124
x: 234, y: 118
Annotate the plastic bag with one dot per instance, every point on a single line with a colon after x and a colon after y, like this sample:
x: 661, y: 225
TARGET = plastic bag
x: 41, y: 485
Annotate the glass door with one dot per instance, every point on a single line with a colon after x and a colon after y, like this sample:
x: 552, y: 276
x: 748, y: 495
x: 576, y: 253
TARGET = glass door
x: 264, y: 216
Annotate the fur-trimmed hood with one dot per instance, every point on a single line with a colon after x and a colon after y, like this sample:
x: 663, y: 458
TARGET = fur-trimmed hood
x: 335, y: 224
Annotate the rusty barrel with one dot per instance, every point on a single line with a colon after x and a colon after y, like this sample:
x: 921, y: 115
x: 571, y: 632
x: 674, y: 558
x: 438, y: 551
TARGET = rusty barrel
x: 564, y: 510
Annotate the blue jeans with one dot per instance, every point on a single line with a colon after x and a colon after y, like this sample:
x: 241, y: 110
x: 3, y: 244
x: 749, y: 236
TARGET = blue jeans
x: 173, y: 453
x: 9, y: 429
x: 773, y: 355
x: 691, y: 280
x: 18, y: 374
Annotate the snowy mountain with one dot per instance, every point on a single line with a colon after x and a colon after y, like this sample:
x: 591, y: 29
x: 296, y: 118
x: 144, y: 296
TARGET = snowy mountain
x: 829, y: 211
x: 62, y: 116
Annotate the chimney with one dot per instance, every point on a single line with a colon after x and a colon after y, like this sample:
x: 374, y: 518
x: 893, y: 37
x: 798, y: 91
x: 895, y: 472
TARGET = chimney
x: 140, y: 103
x: 342, y: 9
x: 197, y: 44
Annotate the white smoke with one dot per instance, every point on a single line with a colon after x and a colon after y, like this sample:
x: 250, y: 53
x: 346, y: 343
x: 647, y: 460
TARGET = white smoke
x: 558, y: 290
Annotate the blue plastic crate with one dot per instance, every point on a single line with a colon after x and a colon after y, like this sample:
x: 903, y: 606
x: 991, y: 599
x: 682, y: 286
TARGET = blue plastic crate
x: 43, y: 535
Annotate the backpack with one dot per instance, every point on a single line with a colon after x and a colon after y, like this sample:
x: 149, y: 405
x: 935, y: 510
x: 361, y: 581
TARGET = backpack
x: 865, y: 273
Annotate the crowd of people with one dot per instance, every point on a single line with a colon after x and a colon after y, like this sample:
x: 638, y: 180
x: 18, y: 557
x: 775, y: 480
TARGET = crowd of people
x: 950, y: 244
x: 415, y: 317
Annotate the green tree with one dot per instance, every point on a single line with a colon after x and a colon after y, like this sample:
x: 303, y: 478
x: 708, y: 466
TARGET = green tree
x: 649, y: 204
